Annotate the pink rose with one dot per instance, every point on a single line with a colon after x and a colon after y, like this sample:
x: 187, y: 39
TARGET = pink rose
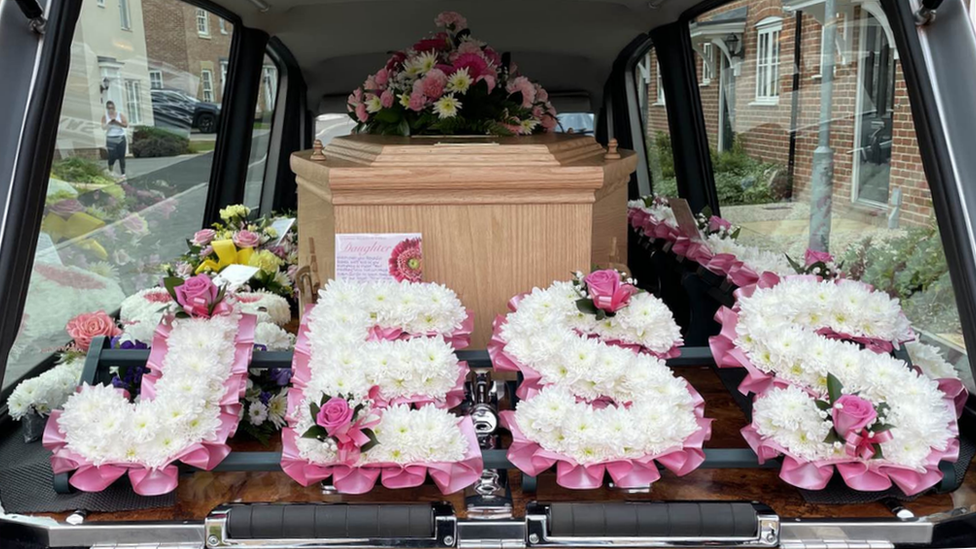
x: 196, y: 288
x: 361, y: 113
x: 852, y: 413
x: 382, y: 77
x: 246, y: 239
x: 87, y: 326
x: 541, y: 94
x: 417, y: 101
x: 386, y: 99
x: 549, y: 123
x: 606, y: 290
x: 716, y: 223
x: 334, y: 415
x: 813, y: 256
x: 370, y: 84
x: 204, y: 236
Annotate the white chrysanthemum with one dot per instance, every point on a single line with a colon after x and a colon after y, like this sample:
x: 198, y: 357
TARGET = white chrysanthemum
x: 273, y: 337
x: 460, y: 81
x: 101, y: 425
x: 777, y: 330
x: 447, y: 107
x: 930, y: 361
x: 266, y: 306
x: 345, y: 360
x: 46, y: 392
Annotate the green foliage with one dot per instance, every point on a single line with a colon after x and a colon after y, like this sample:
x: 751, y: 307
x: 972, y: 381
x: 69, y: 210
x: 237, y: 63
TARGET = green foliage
x: 150, y: 142
x: 739, y: 178
x: 911, y: 267
x: 80, y: 170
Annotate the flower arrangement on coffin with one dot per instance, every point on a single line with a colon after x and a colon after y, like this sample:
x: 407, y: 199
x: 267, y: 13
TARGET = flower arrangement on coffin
x: 720, y: 252
x: 596, y: 396
x: 189, y: 403
x: 238, y: 241
x: 450, y: 83
x: 828, y: 393
x: 374, y: 377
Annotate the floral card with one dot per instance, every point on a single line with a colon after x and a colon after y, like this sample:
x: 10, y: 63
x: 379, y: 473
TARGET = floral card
x: 366, y: 257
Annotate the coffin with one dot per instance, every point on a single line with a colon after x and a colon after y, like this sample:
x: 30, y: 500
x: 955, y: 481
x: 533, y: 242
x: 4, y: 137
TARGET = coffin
x: 498, y: 215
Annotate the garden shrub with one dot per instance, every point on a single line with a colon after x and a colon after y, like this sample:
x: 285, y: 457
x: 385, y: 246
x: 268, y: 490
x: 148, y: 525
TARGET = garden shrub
x: 76, y: 169
x: 150, y: 142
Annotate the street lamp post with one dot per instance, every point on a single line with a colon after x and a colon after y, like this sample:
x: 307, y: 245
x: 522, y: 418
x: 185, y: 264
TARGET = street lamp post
x: 822, y: 186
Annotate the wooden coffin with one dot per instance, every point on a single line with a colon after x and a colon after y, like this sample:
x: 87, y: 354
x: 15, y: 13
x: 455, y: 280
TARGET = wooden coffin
x: 499, y: 216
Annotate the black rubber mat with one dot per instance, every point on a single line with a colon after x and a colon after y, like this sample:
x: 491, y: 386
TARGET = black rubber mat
x: 26, y: 485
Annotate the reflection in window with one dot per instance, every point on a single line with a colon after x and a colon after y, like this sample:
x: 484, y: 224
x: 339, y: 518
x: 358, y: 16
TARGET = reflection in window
x: 708, y: 62
x: 206, y: 83
x: 654, y: 117
x: 260, y: 135
x: 104, y: 236
x: 877, y: 215
x: 767, y: 59
x: 203, y: 23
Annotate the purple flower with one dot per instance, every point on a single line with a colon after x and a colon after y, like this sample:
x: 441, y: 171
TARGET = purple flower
x: 265, y: 396
x: 260, y: 347
x: 281, y: 376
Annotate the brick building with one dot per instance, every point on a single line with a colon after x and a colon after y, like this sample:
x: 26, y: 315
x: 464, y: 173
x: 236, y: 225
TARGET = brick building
x: 745, y: 64
x: 188, y: 49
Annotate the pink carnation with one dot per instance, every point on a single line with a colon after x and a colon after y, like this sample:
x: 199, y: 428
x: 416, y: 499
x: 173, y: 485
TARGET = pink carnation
x: 417, y: 101
x: 549, y: 123
x: 522, y: 85
x: 386, y: 99
x: 469, y: 47
x: 452, y: 20
x: 370, y: 83
x: 433, y: 84
x: 361, y: 113
x: 382, y: 77
x: 541, y: 95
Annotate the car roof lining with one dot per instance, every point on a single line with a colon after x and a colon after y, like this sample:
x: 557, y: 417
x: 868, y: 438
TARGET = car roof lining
x: 566, y: 45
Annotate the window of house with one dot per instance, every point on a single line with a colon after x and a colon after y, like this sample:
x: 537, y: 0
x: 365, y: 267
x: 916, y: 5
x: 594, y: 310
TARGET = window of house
x: 125, y: 19
x: 261, y: 136
x: 133, y: 91
x: 708, y: 62
x: 206, y: 85
x: 863, y: 197
x: 113, y: 220
x: 203, y: 22
x: 654, y: 120
x: 768, y: 59
x: 222, y: 24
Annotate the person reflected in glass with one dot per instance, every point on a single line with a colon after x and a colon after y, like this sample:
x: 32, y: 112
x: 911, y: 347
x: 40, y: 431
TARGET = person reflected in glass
x: 114, y: 123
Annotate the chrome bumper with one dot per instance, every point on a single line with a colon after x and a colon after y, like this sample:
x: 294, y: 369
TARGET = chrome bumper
x: 535, y: 530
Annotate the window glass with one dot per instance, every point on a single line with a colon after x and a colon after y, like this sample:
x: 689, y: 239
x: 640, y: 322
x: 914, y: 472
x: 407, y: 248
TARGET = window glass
x: 131, y: 165
x: 260, y: 136
x: 654, y: 117
x: 776, y: 148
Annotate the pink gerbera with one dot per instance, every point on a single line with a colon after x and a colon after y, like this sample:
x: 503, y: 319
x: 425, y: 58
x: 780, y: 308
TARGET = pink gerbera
x: 407, y: 261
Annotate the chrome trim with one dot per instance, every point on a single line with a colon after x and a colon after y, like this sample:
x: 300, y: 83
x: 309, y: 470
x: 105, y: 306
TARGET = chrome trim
x: 491, y: 534
x: 52, y: 533
x: 444, y: 535
x: 537, y: 527
x: 806, y: 532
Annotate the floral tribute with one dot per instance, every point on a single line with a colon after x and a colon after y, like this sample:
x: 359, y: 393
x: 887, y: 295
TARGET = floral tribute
x: 596, y: 396
x: 450, y: 83
x: 829, y: 395
x: 720, y: 252
x: 240, y: 241
x: 374, y: 377
x: 188, y: 407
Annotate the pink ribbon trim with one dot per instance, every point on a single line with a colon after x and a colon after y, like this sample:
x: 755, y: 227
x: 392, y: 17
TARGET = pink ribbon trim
x: 89, y: 477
